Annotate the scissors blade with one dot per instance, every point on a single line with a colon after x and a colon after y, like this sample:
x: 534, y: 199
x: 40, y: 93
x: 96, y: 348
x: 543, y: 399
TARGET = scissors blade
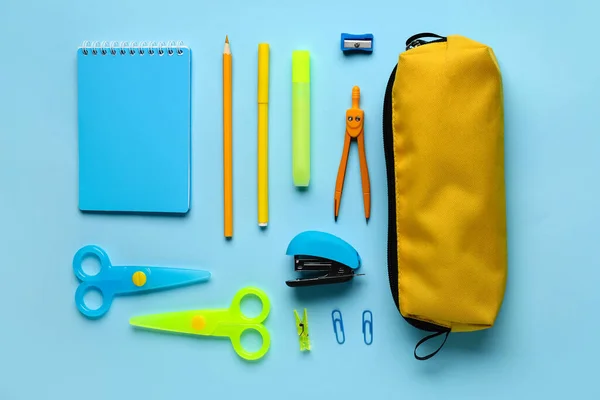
x: 192, y: 322
x: 160, y: 277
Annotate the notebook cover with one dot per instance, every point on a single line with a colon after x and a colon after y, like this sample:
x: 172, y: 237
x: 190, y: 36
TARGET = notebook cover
x: 134, y: 131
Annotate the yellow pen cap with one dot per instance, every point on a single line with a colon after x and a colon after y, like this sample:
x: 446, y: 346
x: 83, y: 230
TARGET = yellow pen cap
x: 301, y: 66
x: 263, y: 73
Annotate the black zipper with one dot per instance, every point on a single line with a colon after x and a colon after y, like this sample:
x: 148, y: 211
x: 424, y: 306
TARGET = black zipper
x: 417, y: 40
x: 388, y: 149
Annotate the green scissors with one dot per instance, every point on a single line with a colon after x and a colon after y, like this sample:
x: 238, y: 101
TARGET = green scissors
x: 228, y: 322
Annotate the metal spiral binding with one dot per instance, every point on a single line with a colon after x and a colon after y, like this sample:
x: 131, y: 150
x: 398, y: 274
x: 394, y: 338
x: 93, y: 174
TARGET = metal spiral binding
x: 132, y: 48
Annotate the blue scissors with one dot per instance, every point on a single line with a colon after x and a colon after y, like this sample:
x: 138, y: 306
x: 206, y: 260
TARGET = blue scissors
x: 117, y: 280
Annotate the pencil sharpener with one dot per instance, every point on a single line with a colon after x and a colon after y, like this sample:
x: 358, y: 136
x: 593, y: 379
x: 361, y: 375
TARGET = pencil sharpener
x: 357, y: 43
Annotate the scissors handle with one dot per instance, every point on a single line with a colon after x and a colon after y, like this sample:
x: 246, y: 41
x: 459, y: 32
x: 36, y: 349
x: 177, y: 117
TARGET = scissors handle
x: 89, y: 251
x: 236, y: 305
x: 107, y: 298
x: 91, y: 282
x: 236, y: 341
x: 235, y: 333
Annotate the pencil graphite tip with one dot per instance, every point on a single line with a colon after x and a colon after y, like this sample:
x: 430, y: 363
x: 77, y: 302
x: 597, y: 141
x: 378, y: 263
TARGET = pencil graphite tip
x: 226, y: 48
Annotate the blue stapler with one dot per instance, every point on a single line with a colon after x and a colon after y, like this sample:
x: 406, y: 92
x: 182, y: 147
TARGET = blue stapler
x: 315, y: 251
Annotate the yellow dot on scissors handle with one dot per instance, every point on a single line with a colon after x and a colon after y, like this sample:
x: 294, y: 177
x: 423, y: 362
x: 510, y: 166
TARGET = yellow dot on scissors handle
x: 139, y: 278
x: 198, y: 322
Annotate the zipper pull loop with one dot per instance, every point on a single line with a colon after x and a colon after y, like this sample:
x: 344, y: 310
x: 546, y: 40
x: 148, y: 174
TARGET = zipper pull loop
x: 414, y: 43
x: 417, y: 40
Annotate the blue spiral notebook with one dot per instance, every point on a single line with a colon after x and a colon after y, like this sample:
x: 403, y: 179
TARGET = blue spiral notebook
x: 134, y: 127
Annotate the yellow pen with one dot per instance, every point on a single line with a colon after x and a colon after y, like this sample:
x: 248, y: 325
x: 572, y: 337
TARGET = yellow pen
x: 263, y: 134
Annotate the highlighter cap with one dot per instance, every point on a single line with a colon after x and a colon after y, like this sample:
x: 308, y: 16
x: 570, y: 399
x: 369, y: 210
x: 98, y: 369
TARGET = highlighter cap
x: 263, y: 73
x: 301, y: 66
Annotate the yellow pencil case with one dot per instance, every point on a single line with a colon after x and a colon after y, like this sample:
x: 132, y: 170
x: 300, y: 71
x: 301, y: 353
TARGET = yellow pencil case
x: 443, y: 123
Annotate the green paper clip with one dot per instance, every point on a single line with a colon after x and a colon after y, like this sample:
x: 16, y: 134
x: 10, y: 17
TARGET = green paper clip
x: 302, y: 327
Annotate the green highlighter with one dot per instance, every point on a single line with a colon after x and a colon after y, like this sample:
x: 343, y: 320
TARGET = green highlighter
x: 301, y: 117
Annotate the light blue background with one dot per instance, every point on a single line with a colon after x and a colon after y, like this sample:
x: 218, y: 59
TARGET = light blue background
x: 545, y: 342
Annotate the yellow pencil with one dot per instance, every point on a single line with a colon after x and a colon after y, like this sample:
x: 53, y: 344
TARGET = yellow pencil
x: 227, y: 145
x: 263, y: 134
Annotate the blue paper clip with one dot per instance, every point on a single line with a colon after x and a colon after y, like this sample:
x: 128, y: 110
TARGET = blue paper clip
x: 367, y: 322
x: 335, y: 319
